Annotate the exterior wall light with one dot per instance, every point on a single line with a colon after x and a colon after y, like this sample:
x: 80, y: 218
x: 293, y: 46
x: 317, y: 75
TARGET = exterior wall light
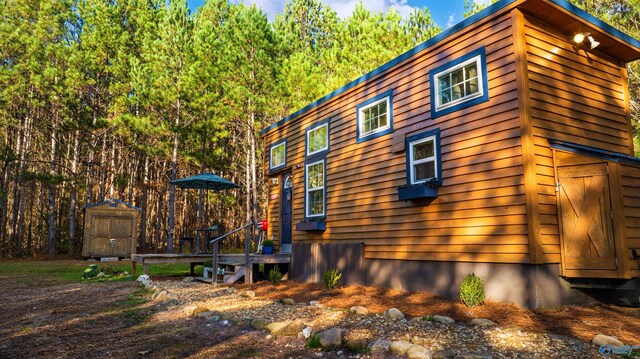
x: 580, y: 37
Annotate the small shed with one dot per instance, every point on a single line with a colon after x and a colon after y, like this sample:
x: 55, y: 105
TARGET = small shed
x: 110, y: 229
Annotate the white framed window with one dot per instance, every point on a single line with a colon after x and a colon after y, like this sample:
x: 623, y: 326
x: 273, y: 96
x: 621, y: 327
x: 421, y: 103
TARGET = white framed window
x: 318, y: 139
x: 278, y: 155
x: 460, y: 83
x: 374, y: 117
x: 423, y: 162
x: 315, y: 189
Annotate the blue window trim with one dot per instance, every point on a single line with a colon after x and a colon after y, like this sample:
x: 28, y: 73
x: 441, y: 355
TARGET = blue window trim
x: 435, y: 133
x: 465, y: 103
x: 279, y: 167
x: 327, y: 122
x: 310, y: 161
x: 376, y: 98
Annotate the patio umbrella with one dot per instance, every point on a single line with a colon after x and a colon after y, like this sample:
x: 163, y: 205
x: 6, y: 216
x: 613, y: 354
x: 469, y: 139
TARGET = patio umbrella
x: 204, y: 181
x: 207, y: 181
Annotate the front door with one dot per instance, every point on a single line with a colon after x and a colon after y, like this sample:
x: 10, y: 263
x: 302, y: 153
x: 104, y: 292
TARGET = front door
x: 285, y: 213
x: 586, y: 221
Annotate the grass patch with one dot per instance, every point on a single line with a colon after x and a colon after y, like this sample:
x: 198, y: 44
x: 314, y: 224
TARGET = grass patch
x: 133, y: 317
x: 71, y: 271
x: 139, y: 297
x: 314, y: 342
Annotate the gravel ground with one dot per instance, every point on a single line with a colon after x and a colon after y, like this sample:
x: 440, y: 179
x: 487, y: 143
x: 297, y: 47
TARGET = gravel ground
x: 459, y: 338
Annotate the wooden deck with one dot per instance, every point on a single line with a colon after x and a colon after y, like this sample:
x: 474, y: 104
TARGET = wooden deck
x: 199, y: 259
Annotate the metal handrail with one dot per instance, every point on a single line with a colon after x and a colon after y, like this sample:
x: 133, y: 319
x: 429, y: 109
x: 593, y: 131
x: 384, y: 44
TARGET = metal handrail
x: 214, y: 262
x: 229, y: 233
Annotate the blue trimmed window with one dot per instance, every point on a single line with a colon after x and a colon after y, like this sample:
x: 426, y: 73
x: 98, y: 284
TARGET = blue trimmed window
x: 459, y: 84
x: 315, y: 195
x: 375, y: 117
x: 278, y: 155
x: 317, y: 139
x: 424, y: 166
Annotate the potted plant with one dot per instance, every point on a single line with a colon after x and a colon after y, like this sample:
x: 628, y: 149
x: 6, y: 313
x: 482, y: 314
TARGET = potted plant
x: 267, y: 246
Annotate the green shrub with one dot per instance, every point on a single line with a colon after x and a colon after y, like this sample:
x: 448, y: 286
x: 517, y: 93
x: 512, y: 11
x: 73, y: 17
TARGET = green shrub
x: 275, y: 276
x: 268, y: 243
x: 472, y: 290
x: 429, y: 318
x: 331, y: 277
x: 314, y: 342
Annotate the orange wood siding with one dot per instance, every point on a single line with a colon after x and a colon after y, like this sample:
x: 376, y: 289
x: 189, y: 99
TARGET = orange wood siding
x: 573, y: 98
x: 630, y: 180
x: 479, y: 214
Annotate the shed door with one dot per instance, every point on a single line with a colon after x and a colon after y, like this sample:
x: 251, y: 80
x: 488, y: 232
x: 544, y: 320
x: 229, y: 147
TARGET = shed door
x: 586, y: 221
x: 108, y: 228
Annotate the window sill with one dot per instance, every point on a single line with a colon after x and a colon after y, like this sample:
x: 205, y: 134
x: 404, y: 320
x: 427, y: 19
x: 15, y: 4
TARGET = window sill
x: 418, y: 191
x: 316, y: 226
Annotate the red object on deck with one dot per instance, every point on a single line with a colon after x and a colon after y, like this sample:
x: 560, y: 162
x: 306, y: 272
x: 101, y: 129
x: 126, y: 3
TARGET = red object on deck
x: 264, y: 225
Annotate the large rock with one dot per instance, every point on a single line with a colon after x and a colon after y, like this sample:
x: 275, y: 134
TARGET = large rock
x: 248, y: 294
x: 394, y: 314
x: 145, y: 280
x: 379, y: 346
x: 259, y: 323
x: 289, y: 301
x: 275, y: 327
x: 357, y: 345
x: 481, y: 322
x: 443, y: 319
x: 188, y: 279
x: 601, y: 339
x: 400, y: 347
x: 359, y: 310
x: 160, y: 296
x: 418, y: 352
x: 188, y: 309
x: 331, y: 337
x: 292, y: 329
x: 208, y: 314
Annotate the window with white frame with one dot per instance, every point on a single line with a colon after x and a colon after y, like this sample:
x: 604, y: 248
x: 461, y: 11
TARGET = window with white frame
x: 460, y: 83
x: 318, y: 139
x: 314, y: 189
x: 375, y: 116
x: 423, y: 164
x: 278, y: 155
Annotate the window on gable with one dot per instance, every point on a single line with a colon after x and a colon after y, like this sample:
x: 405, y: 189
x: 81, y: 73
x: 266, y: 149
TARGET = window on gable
x: 278, y: 155
x: 318, y: 138
x: 375, y: 117
x: 458, y: 84
x: 315, y: 189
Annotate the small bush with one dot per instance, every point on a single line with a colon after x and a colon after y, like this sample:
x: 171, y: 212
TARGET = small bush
x: 275, y: 276
x: 472, y: 290
x: 331, y: 277
x: 314, y: 342
x: 429, y: 318
x: 268, y: 243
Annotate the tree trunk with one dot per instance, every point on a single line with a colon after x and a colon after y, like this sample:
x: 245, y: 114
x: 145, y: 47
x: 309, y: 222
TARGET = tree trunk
x: 52, y: 192
x: 73, y: 194
x: 145, y: 198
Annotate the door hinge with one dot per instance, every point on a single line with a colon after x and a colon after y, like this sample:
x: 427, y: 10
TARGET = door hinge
x: 558, y: 186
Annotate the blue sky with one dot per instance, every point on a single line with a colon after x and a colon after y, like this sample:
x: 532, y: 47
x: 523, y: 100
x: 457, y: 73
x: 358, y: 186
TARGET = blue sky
x: 445, y: 12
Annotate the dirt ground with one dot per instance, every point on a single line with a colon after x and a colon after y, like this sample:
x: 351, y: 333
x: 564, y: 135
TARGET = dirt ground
x: 45, y: 318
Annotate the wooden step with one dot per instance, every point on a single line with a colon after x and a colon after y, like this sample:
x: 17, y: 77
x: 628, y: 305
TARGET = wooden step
x: 232, y: 277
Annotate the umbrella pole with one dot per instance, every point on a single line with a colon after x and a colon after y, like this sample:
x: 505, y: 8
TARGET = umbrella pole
x: 248, y: 267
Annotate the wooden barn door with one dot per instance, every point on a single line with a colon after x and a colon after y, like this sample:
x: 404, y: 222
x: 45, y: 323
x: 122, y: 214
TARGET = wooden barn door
x: 586, y: 221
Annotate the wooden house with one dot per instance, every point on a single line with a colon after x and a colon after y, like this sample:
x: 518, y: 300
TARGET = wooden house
x: 110, y: 229
x: 502, y: 146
